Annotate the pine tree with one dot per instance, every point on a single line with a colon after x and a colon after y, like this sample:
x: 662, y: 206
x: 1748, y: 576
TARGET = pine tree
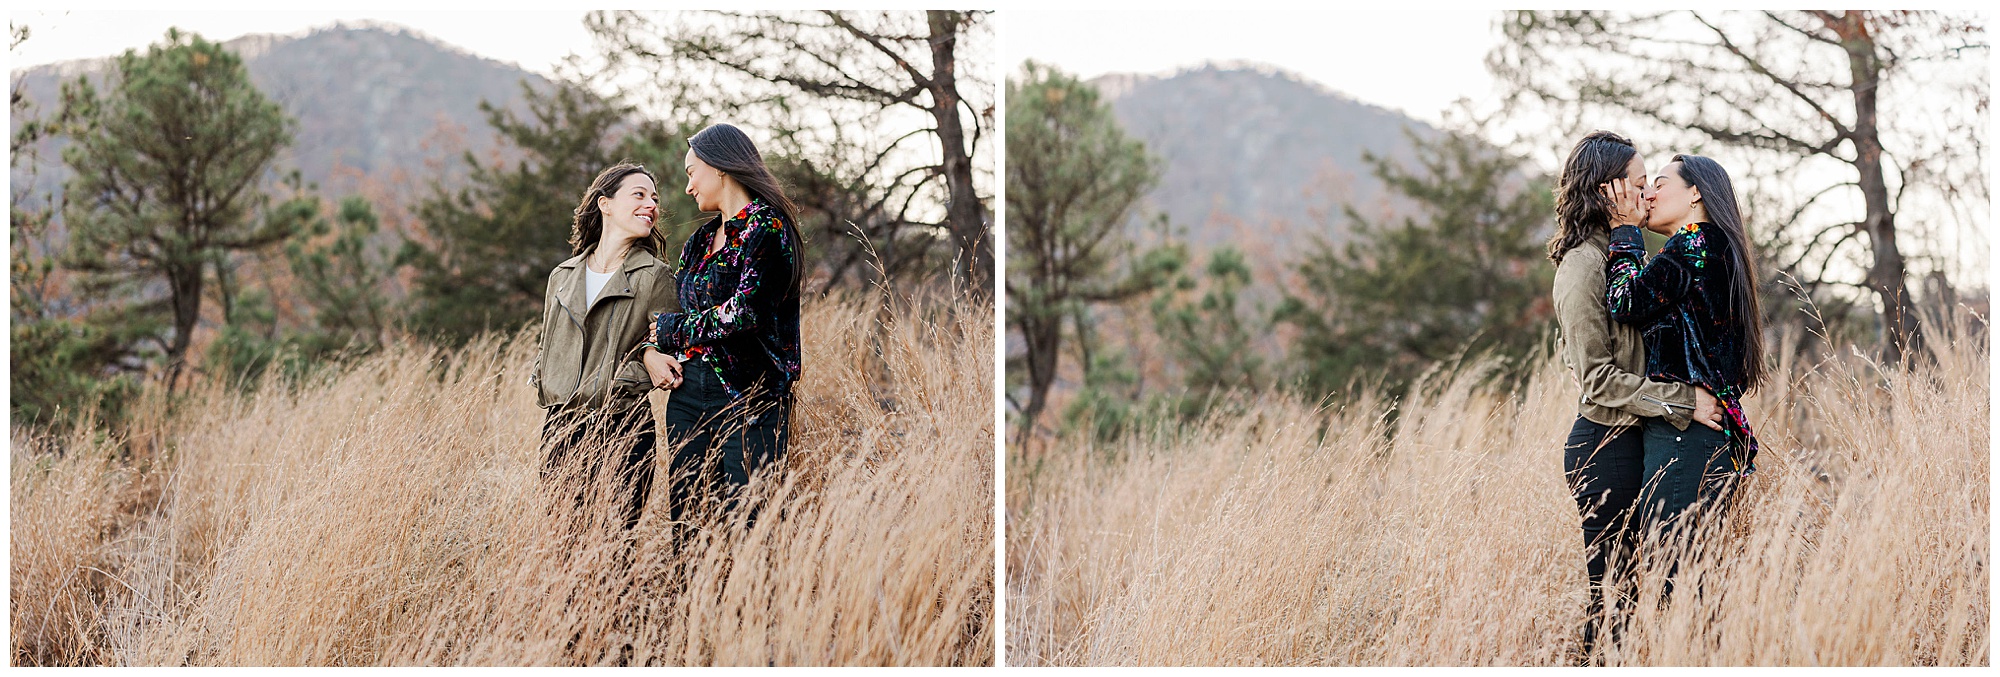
x: 1208, y: 336
x: 166, y: 167
x: 1073, y: 178
x: 1464, y: 275
x: 341, y: 277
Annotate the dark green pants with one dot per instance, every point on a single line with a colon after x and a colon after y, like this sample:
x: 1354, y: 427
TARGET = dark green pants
x: 719, y: 442
x: 1684, y: 469
x: 1689, y: 482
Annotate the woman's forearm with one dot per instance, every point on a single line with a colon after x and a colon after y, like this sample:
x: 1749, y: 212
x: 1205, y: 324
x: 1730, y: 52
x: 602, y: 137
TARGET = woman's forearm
x: 1638, y: 292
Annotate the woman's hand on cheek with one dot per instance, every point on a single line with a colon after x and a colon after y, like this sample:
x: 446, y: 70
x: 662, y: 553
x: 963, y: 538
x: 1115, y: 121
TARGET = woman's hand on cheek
x: 1626, y: 208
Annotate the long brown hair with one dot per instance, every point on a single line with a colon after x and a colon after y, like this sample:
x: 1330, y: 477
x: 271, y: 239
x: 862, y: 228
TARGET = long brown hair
x: 730, y: 151
x: 1580, y: 209
x: 586, y: 226
x: 1718, y: 200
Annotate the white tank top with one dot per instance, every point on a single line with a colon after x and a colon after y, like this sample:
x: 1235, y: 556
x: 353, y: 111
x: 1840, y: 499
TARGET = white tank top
x: 593, y: 282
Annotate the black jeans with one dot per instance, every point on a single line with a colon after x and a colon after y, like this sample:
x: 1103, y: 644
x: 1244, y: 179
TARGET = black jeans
x: 1605, y: 467
x: 1689, y: 477
x: 1685, y: 469
x: 577, y: 443
x: 720, y: 442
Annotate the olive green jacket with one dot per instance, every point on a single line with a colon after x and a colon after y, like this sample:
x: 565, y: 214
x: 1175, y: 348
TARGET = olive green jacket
x: 590, y: 354
x: 1608, y: 358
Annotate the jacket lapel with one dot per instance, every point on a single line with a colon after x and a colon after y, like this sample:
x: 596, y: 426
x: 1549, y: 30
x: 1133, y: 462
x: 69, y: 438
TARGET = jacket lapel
x: 620, y: 283
x: 569, y: 291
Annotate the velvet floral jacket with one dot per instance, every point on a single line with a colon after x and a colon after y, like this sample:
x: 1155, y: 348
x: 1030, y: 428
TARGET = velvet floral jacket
x: 1681, y: 304
x: 739, y: 314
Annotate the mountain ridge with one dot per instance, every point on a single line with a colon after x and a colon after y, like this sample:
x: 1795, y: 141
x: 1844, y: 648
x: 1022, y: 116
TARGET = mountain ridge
x: 370, y: 98
x: 1253, y: 151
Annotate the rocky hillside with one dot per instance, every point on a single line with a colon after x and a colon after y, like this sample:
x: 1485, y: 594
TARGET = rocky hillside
x: 1251, y: 150
x: 375, y: 98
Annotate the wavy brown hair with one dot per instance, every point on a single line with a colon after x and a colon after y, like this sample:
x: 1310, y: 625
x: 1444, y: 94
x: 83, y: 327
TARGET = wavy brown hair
x: 1580, y: 209
x: 587, y: 223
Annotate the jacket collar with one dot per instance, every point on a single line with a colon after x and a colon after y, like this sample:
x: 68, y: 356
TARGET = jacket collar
x: 1599, y: 238
x: 572, y: 290
x: 634, y: 260
x: 718, y: 224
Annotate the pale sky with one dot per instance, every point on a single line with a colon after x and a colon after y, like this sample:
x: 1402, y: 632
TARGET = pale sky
x: 1419, y: 72
x: 1343, y: 50
x: 534, y: 40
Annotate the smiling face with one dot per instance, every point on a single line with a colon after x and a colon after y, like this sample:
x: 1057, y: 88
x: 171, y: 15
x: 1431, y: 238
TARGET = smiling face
x: 705, y: 183
x: 1673, y: 201
x: 630, y: 209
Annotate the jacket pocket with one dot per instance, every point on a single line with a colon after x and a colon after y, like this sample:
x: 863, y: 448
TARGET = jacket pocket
x: 632, y: 380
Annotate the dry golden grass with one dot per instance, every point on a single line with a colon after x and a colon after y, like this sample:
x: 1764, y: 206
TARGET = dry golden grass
x: 1283, y: 534
x: 392, y: 514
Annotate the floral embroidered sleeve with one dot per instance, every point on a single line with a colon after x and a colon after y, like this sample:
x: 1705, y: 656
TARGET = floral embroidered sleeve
x: 1638, y: 293
x: 653, y: 327
x: 767, y: 256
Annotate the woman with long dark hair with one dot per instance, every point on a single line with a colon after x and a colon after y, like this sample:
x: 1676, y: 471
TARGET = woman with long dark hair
x: 1604, y: 457
x: 1696, y: 303
x: 738, y: 335
x: 591, y: 377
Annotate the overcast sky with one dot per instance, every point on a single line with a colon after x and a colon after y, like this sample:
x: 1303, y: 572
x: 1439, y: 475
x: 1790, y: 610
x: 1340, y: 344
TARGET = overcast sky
x: 1419, y: 72
x: 1342, y: 50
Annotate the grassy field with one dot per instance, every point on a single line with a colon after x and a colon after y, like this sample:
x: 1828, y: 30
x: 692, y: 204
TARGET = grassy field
x: 391, y: 513
x: 1281, y: 533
